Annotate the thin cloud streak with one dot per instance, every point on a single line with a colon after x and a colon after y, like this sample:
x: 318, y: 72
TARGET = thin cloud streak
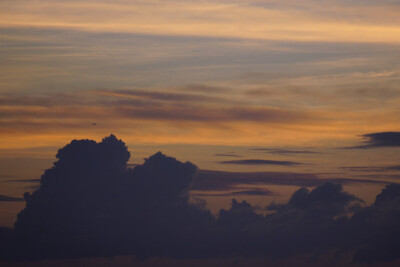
x: 10, y: 199
x: 209, y: 19
x: 259, y: 162
x: 208, y: 180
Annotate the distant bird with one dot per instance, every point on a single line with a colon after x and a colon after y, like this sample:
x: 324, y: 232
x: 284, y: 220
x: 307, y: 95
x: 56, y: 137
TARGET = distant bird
x: 94, y: 123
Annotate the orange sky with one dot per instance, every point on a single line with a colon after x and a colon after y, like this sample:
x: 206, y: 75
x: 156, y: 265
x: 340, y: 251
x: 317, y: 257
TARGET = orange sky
x: 200, y: 78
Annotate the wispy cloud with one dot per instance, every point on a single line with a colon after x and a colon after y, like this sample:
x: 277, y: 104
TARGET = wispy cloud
x: 269, y: 20
x: 208, y: 180
x: 284, y: 151
x: 9, y: 199
x: 228, y: 155
x: 259, y: 162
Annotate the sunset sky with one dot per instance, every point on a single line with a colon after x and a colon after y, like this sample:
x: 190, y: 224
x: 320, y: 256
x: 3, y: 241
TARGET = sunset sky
x: 284, y: 86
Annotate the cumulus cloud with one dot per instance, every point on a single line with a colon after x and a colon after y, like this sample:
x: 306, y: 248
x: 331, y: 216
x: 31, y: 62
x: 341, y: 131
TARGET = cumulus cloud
x: 90, y: 203
x: 375, y: 231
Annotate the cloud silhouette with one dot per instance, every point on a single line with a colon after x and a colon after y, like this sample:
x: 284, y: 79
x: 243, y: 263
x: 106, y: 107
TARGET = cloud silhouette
x: 382, y: 139
x: 90, y: 203
x: 374, y: 231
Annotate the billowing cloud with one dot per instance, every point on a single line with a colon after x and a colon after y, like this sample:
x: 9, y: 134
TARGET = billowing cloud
x: 91, y: 204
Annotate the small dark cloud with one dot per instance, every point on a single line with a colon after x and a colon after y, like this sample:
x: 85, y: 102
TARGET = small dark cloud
x: 382, y: 139
x: 372, y: 168
x: 228, y: 155
x: 259, y: 162
x: 8, y: 198
x: 24, y: 181
x: 256, y: 192
x: 284, y: 151
x: 252, y: 192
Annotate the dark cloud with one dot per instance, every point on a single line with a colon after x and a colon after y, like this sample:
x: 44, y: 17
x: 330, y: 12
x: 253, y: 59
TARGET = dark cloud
x: 284, y: 151
x: 228, y: 155
x: 91, y: 204
x: 252, y: 192
x: 372, y: 168
x: 382, y: 139
x: 8, y: 198
x: 208, y: 180
x: 256, y: 192
x: 186, y: 112
x: 326, y: 198
x: 24, y: 180
x: 259, y: 162
x: 375, y: 231
x: 108, y: 107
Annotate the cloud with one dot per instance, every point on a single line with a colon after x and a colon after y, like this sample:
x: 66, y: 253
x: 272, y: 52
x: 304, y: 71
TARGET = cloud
x: 269, y: 21
x: 228, y: 155
x: 205, y: 88
x: 326, y: 198
x: 284, y: 151
x: 251, y: 192
x: 374, y: 231
x: 158, y: 95
x: 24, y: 180
x: 259, y: 162
x: 208, y: 180
x: 293, y: 152
x: 382, y: 139
x: 7, y: 198
x: 372, y: 168
x: 91, y: 204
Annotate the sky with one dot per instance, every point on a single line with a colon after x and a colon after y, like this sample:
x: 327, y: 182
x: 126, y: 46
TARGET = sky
x: 270, y: 92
